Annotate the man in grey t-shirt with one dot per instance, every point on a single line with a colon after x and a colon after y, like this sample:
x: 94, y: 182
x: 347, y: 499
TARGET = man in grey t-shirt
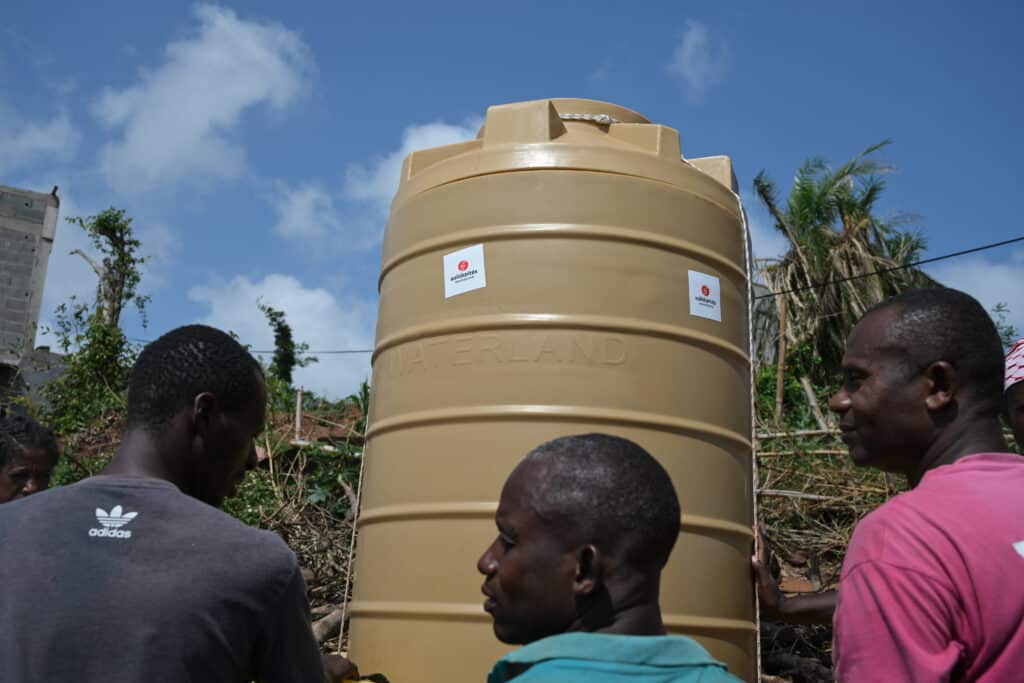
x: 135, y: 575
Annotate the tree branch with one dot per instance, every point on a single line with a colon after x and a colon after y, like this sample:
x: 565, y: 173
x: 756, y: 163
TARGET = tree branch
x: 795, y: 494
x: 353, y: 501
x: 819, y: 417
x: 99, y: 271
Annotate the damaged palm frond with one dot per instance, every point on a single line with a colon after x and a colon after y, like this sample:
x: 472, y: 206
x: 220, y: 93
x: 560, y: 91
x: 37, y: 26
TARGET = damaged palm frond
x: 842, y: 259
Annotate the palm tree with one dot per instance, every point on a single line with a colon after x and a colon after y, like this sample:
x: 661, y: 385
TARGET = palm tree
x: 842, y: 258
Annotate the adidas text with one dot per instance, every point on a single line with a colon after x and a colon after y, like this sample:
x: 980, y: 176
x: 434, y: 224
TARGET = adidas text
x: 110, y: 533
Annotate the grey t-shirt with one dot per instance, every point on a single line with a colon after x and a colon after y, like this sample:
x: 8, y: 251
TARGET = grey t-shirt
x: 123, y: 579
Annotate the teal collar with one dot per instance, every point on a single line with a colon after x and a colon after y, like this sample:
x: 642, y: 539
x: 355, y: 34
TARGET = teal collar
x: 655, y: 651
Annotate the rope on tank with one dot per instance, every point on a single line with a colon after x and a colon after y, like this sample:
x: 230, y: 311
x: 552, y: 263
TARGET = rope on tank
x: 748, y: 258
x: 602, y: 119
x: 345, y: 605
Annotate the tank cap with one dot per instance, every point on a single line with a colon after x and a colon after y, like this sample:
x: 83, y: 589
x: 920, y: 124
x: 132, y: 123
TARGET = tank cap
x: 543, y: 120
x: 605, y: 113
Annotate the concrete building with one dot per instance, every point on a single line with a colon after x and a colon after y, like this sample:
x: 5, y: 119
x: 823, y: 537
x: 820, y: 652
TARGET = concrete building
x: 28, y: 224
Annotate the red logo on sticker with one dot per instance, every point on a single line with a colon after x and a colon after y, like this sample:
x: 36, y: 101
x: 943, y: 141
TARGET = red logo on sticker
x: 704, y: 289
x: 463, y: 265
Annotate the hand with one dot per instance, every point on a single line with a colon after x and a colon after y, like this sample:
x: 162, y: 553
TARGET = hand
x: 768, y: 591
x: 816, y: 608
x: 338, y: 669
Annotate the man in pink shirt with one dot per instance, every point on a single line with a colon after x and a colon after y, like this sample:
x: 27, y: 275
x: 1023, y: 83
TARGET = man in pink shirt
x: 1015, y: 391
x: 932, y: 587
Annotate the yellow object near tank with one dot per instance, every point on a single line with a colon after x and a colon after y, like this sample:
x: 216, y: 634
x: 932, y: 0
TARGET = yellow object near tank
x: 565, y: 272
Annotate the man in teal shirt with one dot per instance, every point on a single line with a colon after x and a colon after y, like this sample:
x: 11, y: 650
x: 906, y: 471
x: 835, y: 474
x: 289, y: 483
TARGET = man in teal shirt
x: 585, y: 527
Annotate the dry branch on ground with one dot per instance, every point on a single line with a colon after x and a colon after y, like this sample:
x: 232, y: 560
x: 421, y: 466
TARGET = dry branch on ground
x: 810, y: 499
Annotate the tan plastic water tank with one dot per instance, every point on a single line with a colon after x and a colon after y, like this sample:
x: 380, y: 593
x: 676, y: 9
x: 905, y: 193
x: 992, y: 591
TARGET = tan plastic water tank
x: 565, y: 272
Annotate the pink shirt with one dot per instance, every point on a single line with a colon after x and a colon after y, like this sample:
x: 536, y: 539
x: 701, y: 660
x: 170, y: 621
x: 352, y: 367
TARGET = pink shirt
x: 932, y: 587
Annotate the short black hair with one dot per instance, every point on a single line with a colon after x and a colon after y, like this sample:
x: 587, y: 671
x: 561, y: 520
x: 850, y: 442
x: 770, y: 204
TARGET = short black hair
x: 611, y: 492
x: 19, y: 433
x: 939, y: 323
x: 187, y: 361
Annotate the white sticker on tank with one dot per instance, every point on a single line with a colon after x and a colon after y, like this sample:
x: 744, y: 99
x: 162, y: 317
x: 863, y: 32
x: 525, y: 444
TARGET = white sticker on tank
x: 464, y: 271
x: 705, y: 296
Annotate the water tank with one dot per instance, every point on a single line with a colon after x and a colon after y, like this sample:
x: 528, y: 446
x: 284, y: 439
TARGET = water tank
x: 565, y: 272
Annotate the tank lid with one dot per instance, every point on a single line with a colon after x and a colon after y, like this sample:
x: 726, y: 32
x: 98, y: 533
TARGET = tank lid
x: 569, y: 106
x: 566, y: 133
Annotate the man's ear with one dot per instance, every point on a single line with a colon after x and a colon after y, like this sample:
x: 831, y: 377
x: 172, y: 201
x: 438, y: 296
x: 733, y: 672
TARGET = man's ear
x: 943, y: 384
x: 204, y: 407
x: 589, y: 571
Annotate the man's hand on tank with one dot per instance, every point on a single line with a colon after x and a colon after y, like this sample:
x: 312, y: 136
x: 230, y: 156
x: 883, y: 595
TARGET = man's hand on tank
x: 768, y: 591
x: 338, y: 669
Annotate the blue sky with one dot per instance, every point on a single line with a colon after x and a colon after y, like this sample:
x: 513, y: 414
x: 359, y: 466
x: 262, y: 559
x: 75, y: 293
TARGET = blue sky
x: 257, y: 144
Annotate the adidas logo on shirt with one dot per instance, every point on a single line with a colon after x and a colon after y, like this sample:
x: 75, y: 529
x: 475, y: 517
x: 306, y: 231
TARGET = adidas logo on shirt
x: 112, y: 523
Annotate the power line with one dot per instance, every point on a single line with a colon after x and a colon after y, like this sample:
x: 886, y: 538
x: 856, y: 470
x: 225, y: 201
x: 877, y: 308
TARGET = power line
x: 922, y: 262
x: 324, y: 353
x: 328, y: 352
x: 893, y: 269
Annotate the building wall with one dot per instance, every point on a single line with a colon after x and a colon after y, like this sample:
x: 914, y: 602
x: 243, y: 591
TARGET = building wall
x: 28, y: 223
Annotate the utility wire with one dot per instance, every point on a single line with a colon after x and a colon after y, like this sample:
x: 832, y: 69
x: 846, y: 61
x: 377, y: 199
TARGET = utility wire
x: 305, y: 353
x: 761, y: 296
x: 325, y: 353
x: 894, y: 268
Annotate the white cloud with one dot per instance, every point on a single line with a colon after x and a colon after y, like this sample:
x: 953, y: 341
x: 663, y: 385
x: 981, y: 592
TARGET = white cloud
x: 987, y: 280
x: 369, y: 188
x: 377, y: 181
x: 177, y: 119
x: 305, y: 212
x: 315, y: 316
x: 700, y: 59
x: 355, y: 217
x: 27, y: 142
